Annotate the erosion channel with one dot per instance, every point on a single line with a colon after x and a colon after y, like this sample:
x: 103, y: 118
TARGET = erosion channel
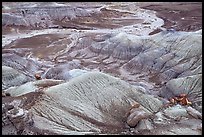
x: 131, y: 68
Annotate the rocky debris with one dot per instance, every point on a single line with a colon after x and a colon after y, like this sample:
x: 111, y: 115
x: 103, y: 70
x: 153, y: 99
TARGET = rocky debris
x: 194, y: 113
x: 160, y: 118
x: 190, y: 85
x: 37, y: 76
x: 170, y: 121
x: 15, y: 119
x: 72, y: 51
x: 135, y: 116
x: 144, y: 124
x: 94, y: 110
x: 176, y: 112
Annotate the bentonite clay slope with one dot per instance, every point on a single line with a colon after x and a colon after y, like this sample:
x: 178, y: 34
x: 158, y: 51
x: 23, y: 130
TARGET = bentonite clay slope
x: 93, y: 103
x: 76, y: 107
x: 101, y: 68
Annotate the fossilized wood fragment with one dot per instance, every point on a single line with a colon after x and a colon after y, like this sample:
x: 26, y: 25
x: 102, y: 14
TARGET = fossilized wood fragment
x: 136, y: 115
x: 87, y: 107
x: 63, y: 41
x: 190, y: 85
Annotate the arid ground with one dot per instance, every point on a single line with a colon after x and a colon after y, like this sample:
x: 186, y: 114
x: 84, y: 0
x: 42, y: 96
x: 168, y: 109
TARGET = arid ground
x: 102, y: 68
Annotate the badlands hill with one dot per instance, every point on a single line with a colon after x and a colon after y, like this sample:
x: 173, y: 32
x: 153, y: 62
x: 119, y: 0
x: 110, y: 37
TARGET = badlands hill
x: 102, y: 68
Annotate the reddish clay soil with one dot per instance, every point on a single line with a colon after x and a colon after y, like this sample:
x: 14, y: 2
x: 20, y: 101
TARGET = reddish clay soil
x: 181, y: 16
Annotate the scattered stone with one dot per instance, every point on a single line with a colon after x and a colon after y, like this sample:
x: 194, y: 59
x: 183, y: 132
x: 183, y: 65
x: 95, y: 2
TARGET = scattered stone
x: 47, y: 48
x: 176, y: 111
x: 194, y: 113
x: 144, y: 124
x: 136, y: 115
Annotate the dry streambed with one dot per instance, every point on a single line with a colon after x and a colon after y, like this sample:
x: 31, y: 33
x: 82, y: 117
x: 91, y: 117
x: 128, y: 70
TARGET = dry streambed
x: 99, y: 68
